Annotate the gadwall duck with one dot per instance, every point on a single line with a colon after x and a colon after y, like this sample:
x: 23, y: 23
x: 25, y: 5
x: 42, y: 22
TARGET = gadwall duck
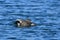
x: 24, y: 23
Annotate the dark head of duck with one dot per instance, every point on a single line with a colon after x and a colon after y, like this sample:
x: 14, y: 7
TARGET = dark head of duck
x: 24, y: 23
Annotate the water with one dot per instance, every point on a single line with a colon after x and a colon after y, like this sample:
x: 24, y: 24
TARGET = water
x: 45, y: 13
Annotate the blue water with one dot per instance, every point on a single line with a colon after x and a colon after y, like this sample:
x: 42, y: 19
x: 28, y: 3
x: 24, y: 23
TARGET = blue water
x: 45, y: 13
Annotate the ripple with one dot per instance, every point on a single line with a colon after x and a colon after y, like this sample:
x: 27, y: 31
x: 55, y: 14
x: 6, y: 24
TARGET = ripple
x: 44, y: 13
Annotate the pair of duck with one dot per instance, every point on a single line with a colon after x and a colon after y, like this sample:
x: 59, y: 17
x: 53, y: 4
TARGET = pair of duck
x: 24, y: 23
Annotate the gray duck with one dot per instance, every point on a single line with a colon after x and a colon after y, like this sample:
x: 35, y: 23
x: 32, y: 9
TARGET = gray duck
x: 24, y: 23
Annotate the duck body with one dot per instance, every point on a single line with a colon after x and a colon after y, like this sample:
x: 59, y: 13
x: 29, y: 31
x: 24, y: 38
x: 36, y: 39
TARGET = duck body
x: 24, y: 23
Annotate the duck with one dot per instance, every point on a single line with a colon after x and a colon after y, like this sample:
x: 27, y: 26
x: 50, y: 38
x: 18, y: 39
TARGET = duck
x: 24, y: 23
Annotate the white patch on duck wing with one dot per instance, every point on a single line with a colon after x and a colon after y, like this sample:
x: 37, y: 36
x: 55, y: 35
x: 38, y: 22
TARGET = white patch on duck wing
x: 33, y: 24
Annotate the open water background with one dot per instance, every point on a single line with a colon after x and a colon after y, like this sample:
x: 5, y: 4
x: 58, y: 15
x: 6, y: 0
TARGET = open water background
x: 46, y: 13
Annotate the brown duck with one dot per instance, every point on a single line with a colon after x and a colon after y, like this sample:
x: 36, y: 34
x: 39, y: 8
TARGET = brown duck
x: 24, y: 23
